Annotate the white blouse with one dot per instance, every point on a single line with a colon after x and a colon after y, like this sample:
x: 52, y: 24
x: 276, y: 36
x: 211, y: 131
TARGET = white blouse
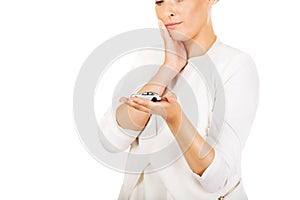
x: 240, y: 85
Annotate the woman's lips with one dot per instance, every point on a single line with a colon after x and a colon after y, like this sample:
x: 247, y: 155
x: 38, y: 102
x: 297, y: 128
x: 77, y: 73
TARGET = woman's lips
x: 173, y: 25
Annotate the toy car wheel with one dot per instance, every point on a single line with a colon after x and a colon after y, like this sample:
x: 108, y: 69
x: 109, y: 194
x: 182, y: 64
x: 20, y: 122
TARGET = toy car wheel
x: 154, y: 99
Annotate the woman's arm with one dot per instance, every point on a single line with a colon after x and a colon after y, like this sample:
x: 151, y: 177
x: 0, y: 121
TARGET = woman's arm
x: 128, y: 115
x: 216, y: 160
x: 197, y: 152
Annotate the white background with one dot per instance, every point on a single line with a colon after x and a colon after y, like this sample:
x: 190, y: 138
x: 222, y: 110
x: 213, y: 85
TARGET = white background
x: 42, y: 47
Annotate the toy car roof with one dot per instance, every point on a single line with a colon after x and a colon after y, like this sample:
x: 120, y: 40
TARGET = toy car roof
x: 149, y: 93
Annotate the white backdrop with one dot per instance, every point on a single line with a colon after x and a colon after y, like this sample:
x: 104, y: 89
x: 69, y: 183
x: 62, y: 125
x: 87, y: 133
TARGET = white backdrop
x: 42, y: 47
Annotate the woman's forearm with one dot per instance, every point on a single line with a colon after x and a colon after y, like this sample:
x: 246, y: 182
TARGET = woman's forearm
x: 197, y: 152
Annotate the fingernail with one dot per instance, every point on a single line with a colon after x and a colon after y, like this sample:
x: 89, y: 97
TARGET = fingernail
x: 122, y: 99
x: 172, y: 100
x: 159, y: 23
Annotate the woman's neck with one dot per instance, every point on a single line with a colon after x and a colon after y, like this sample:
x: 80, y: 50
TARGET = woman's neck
x: 201, y: 42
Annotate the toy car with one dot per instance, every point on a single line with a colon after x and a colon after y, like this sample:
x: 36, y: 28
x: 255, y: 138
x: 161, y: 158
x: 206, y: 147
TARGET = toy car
x: 148, y: 95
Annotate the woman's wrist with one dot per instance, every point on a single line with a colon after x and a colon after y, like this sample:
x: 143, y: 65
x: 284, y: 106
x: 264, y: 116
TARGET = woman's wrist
x: 174, y: 114
x: 176, y: 66
x: 163, y: 76
x: 153, y: 87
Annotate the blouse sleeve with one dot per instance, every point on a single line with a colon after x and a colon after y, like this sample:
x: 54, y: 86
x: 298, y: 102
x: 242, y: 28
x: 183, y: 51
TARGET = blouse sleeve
x: 241, y: 89
x: 113, y: 137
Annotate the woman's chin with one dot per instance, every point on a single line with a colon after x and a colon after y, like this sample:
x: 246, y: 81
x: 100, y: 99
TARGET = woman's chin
x: 177, y: 35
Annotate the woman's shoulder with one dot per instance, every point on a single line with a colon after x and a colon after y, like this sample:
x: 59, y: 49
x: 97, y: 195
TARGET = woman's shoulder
x: 230, y: 53
x: 228, y: 58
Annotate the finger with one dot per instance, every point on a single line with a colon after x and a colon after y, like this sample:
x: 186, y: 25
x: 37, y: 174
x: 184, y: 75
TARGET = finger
x: 123, y: 99
x: 132, y: 104
x: 137, y: 106
x: 164, y: 32
x: 162, y: 27
x: 143, y: 102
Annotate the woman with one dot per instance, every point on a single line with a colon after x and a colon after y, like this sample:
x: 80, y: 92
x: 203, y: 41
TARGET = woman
x: 210, y: 167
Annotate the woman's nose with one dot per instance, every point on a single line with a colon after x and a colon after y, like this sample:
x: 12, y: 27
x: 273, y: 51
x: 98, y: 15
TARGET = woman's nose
x: 170, y: 10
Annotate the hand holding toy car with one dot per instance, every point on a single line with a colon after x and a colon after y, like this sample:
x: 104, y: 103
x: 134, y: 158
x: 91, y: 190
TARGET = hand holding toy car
x: 167, y: 107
